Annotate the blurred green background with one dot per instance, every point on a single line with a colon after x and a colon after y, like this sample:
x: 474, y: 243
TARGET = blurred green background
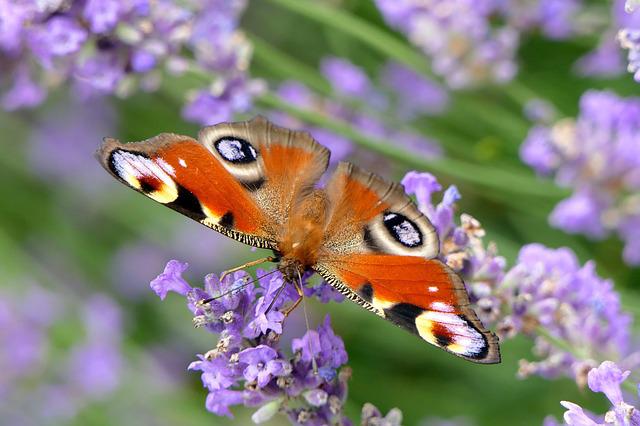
x: 68, y: 234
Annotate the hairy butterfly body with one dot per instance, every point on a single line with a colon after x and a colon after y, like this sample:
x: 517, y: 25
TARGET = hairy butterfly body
x: 256, y: 182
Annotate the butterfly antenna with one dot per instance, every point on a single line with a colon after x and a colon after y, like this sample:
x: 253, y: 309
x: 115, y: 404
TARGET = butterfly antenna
x: 306, y: 320
x: 234, y: 289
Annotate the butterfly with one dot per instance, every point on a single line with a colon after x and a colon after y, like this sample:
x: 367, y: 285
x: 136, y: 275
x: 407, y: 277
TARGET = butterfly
x: 258, y: 183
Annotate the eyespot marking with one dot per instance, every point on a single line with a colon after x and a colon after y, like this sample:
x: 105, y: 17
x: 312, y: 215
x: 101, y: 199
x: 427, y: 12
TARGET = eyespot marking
x: 236, y: 150
x: 463, y: 337
x: 149, y: 176
x: 402, y: 229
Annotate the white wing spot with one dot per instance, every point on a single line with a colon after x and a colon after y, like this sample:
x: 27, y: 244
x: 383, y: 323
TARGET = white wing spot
x: 182, y: 162
x: 441, y: 307
x: 433, y: 289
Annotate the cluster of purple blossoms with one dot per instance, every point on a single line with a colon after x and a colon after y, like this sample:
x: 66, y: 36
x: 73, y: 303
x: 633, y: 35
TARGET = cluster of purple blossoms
x: 629, y: 36
x: 248, y: 365
x: 546, y: 296
x: 406, y: 95
x: 607, y: 379
x: 43, y: 382
x: 457, y: 36
x: 598, y: 156
x: 471, y: 42
x: 116, y: 47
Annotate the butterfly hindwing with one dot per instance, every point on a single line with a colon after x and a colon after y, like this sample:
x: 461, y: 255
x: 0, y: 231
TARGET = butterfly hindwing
x: 379, y: 251
x: 231, y: 180
x: 423, y: 296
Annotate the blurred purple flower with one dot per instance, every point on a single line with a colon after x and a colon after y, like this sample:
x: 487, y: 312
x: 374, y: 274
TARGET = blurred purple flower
x: 96, y: 365
x: 113, y: 47
x: 458, y: 37
x: 346, y: 78
x: 81, y: 371
x: 64, y: 141
x: 371, y: 416
x: 628, y: 22
x: 549, y: 289
x: 415, y: 94
x: 596, y: 154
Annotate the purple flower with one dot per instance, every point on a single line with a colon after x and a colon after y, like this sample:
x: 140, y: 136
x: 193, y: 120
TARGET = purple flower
x: 596, y: 155
x: 416, y: 95
x: 171, y: 280
x: 102, y: 15
x: 253, y: 371
x: 265, y: 321
x: 98, y: 46
x: 218, y: 402
x: 55, y: 153
x: 262, y: 364
x: 458, y: 37
x: 60, y: 36
x: 423, y: 185
x: 607, y: 379
x: 216, y: 373
x: 371, y: 416
x: 346, y: 78
x: 25, y: 93
x: 580, y: 213
x: 575, y: 416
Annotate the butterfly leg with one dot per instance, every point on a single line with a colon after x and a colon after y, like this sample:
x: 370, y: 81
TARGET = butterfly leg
x: 295, y: 304
x: 246, y: 265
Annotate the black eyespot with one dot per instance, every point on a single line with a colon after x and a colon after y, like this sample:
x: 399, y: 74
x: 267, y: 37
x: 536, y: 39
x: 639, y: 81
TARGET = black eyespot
x: 236, y: 150
x: 402, y: 229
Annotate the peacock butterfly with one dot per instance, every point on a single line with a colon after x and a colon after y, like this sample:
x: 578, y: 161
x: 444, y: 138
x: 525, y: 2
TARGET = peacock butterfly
x: 257, y: 183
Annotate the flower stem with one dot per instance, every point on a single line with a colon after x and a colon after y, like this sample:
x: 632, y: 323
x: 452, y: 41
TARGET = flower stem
x: 384, y: 42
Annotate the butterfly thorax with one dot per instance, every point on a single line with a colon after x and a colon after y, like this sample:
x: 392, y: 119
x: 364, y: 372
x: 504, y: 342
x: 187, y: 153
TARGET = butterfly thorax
x: 303, y: 237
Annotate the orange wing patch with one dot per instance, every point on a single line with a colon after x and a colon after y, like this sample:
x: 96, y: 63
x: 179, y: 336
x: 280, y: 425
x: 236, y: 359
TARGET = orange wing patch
x: 180, y: 173
x: 419, y: 295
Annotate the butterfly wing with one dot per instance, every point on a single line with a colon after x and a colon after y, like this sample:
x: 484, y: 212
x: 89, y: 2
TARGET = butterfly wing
x: 379, y: 251
x: 240, y: 179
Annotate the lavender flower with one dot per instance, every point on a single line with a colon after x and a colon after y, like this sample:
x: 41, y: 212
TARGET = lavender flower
x: 57, y: 150
x: 114, y: 47
x: 248, y: 366
x: 607, y: 379
x: 458, y: 38
x: 627, y: 21
x: 48, y: 383
x: 596, y: 155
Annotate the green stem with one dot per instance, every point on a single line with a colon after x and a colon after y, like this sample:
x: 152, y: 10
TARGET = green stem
x: 471, y: 173
x: 382, y: 41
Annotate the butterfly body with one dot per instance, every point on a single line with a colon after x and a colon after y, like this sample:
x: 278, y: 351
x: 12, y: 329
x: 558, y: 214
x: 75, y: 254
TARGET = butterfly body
x: 257, y: 183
